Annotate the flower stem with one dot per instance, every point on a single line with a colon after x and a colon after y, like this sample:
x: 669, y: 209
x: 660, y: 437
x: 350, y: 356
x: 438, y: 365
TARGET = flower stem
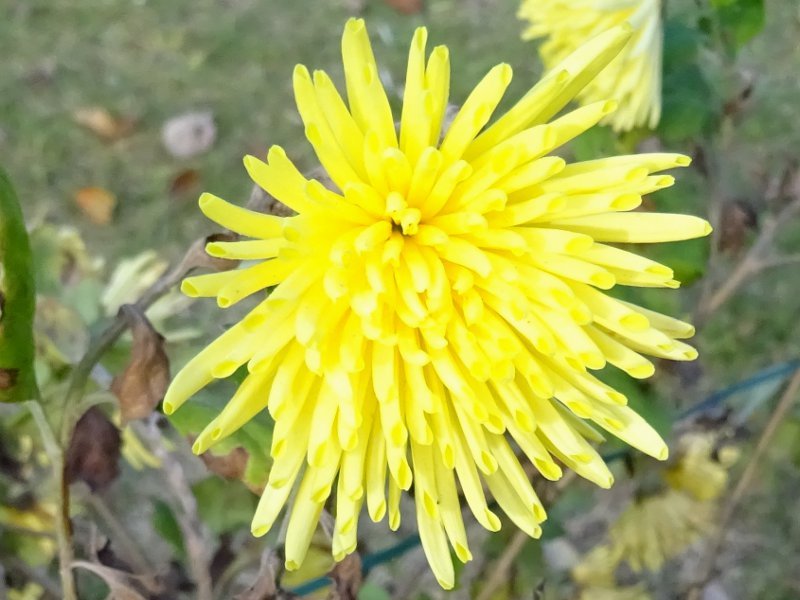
x: 63, y: 527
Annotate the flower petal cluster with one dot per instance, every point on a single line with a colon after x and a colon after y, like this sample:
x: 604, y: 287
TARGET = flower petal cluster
x: 633, y: 78
x: 439, y: 309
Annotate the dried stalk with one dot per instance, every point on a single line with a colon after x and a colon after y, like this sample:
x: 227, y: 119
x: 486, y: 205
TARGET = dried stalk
x: 756, y: 260
x: 737, y: 495
x: 198, y: 547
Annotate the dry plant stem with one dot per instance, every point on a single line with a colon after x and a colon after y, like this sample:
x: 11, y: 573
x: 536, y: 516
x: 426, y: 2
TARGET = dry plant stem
x: 197, y: 544
x: 737, y: 495
x: 755, y: 260
x: 266, y: 585
x: 63, y: 526
x: 130, y: 550
x: 55, y: 445
x: 502, y: 567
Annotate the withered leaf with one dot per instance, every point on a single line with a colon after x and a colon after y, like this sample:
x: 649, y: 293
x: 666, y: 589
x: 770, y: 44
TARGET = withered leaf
x: 347, y: 577
x: 8, y: 378
x: 230, y: 466
x: 96, y: 203
x: 406, y: 7
x: 103, y: 124
x: 184, y: 183
x: 93, y: 453
x: 143, y: 383
x: 739, y: 219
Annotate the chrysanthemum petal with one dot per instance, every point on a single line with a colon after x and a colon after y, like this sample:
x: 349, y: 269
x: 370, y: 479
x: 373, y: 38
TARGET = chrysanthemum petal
x: 638, y: 228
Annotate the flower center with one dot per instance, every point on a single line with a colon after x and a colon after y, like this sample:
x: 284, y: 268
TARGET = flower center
x: 404, y: 218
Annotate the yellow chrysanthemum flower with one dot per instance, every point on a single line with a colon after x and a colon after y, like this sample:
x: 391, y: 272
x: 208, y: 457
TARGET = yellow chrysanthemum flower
x: 442, y: 303
x: 658, y: 528
x: 699, y: 472
x: 633, y: 78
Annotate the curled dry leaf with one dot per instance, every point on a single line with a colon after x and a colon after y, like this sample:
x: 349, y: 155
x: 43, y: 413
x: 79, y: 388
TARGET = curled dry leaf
x: 189, y: 134
x: 185, y: 183
x: 347, y: 578
x: 141, y: 386
x: 739, y: 219
x: 406, y: 7
x: 96, y: 203
x: 103, y: 124
x: 93, y: 453
x: 230, y: 466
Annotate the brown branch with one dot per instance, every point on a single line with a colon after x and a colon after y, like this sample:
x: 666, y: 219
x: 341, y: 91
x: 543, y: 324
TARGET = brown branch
x: 716, y: 543
x: 123, y: 540
x: 502, y: 568
x: 194, y: 534
x: 755, y: 261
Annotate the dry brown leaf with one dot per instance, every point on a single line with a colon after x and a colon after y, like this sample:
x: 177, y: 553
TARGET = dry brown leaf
x: 406, y: 7
x: 347, y: 578
x: 93, y: 453
x: 103, y: 124
x: 184, y: 183
x: 230, y: 466
x: 739, y: 219
x: 143, y: 383
x: 96, y: 203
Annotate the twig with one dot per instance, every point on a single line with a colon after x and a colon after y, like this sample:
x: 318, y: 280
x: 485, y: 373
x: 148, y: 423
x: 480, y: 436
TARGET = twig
x: 266, y: 585
x: 245, y: 558
x: 76, y: 391
x: 502, y: 567
x: 63, y: 526
x: 123, y: 539
x: 715, y: 544
x: 754, y: 261
x: 781, y: 261
x: 197, y: 544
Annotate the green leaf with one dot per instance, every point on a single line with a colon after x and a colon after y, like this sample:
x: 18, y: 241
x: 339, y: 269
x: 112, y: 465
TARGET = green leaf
x: 166, y: 525
x: 740, y: 20
x: 223, y: 505
x: 690, y: 106
x: 17, y: 301
x: 681, y: 45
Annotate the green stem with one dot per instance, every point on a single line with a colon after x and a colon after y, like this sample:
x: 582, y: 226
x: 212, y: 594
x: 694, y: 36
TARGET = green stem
x: 63, y: 525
